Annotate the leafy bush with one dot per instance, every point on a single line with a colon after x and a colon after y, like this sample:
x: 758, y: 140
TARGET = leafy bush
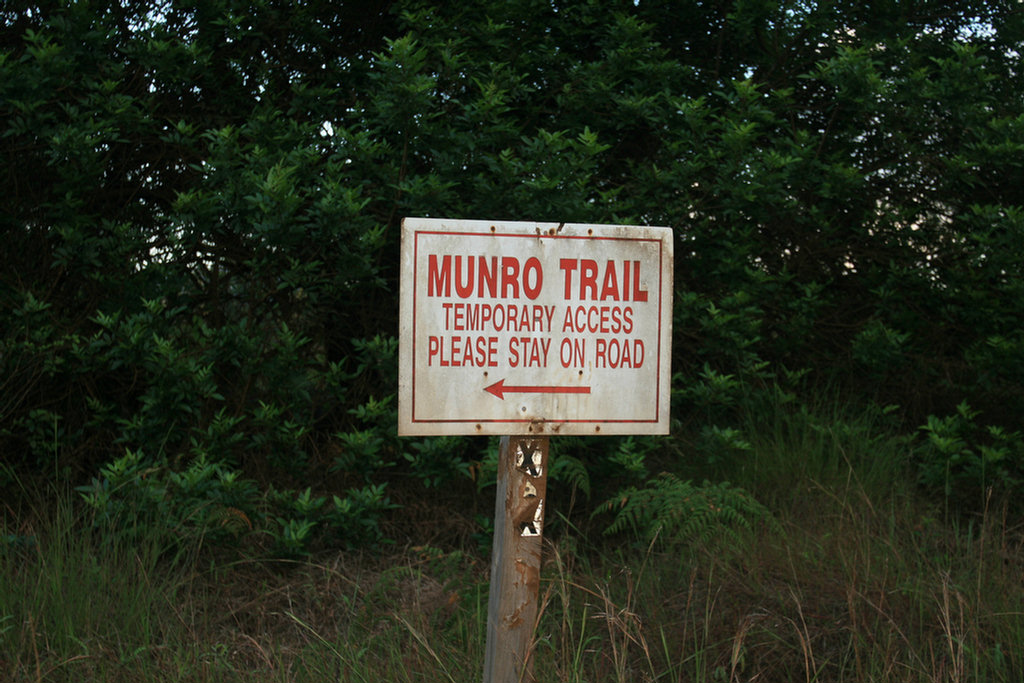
x: 210, y: 503
x: 134, y: 496
x: 202, y: 209
x: 965, y: 461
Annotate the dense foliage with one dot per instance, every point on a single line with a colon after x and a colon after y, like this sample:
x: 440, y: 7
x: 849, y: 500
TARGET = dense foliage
x: 201, y: 204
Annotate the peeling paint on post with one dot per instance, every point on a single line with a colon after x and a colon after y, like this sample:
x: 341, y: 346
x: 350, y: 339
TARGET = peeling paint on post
x: 515, y: 560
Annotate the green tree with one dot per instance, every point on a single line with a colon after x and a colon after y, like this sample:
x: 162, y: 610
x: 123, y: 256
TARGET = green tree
x: 202, y: 200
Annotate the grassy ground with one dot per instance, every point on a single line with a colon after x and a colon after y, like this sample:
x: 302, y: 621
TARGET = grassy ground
x: 854, y: 578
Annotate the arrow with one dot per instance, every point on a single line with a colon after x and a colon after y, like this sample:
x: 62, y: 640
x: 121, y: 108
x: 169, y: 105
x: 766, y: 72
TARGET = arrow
x: 499, y: 389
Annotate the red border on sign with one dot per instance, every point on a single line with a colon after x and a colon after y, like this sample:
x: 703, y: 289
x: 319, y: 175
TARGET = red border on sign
x: 415, y: 292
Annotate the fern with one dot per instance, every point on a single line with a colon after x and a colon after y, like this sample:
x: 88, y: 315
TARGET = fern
x: 670, y: 509
x: 571, y: 470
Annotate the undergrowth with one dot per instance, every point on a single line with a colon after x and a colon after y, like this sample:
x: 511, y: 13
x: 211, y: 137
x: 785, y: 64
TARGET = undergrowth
x: 822, y: 561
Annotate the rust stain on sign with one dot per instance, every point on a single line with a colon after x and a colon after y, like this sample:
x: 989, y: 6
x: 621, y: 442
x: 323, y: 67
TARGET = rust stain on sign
x: 562, y: 327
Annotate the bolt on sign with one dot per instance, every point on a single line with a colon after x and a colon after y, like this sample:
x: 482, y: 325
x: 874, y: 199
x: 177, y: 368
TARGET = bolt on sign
x: 534, y: 328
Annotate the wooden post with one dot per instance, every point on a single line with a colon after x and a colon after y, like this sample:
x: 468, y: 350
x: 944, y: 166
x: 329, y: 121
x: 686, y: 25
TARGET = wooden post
x: 515, y: 559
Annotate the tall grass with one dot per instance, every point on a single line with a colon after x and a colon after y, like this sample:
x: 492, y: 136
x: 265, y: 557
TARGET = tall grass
x: 798, y: 447
x: 858, y: 579
x: 78, y: 606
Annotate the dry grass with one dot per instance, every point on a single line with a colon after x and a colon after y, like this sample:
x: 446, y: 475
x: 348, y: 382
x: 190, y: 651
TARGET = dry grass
x: 847, y: 587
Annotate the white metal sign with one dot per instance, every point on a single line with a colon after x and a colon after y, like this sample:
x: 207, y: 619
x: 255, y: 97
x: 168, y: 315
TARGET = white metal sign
x: 519, y: 328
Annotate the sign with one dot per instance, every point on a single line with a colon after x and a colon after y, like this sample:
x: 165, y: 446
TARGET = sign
x: 534, y: 328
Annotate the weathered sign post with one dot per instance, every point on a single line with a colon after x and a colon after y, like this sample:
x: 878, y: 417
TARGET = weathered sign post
x: 528, y: 330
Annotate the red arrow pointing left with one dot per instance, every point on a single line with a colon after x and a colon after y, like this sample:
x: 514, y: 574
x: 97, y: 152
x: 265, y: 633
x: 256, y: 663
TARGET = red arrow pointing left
x: 499, y: 389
